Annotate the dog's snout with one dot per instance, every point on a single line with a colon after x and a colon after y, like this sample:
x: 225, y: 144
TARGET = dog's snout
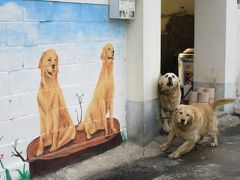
x: 53, y: 66
x: 169, y: 78
x: 182, y: 121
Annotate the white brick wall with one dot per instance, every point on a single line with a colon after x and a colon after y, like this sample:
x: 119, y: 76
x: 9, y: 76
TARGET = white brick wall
x: 26, y: 127
x: 4, y: 84
x: 24, y: 81
x: 6, y: 129
x: 29, y: 28
x: 23, y: 105
x: 11, y: 59
x: 4, y: 106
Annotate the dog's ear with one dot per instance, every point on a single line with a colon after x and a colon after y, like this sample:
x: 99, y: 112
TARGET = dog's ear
x: 160, y: 83
x: 41, y: 63
x: 104, y: 54
x: 177, y: 108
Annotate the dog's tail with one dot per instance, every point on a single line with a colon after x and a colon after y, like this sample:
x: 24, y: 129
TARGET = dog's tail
x: 80, y: 127
x: 219, y: 102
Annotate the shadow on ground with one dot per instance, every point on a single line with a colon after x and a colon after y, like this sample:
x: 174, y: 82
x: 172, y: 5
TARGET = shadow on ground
x: 204, y: 162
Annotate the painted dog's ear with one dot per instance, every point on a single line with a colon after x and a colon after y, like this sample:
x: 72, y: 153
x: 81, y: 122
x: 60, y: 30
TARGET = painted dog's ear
x: 40, y: 65
x: 104, y: 54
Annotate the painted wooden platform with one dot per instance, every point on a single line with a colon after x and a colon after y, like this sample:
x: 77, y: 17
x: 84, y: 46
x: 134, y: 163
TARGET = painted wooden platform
x: 75, y: 151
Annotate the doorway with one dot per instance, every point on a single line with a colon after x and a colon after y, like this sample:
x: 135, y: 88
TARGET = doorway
x: 177, y: 32
x: 177, y: 41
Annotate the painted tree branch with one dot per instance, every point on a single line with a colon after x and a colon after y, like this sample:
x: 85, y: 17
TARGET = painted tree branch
x: 17, y: 153
x: 77, y: 116
x: 80, y: 104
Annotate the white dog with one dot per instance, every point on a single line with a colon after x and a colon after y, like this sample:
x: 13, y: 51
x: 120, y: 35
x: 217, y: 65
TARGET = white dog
x: 170, y: 97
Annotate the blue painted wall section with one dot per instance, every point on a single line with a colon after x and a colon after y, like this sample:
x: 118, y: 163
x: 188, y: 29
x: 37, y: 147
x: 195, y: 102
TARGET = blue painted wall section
x: 53, y: 22
x: 77, y: 32
x: 2, y: 34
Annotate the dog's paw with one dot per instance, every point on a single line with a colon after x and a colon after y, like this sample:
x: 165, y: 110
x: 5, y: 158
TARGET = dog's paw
x: 106, y: 133
x: 39, y: 152
x: 166, y: 128
x: 163, y: 147
x: 214, y: 144
x: 114, y: 130
x: 174, y: 155
x: 89, y: 136
x: 53, y: 148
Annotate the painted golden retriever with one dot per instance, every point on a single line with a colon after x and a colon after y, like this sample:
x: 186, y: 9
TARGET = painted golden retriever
x: 169, y: 96
x: 56, y: 126
x: 191, y: 123
x: 102, y: 101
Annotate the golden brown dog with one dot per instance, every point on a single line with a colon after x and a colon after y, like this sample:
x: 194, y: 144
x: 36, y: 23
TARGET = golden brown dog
x: 170, y: 96
x: 102, y: 102
x: 191, y: 123
x: 56, y: 125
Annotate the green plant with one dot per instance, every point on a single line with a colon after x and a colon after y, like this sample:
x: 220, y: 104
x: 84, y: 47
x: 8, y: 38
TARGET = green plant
x: 24, y: 174
x: 124, y: 136
x: 8, y: 175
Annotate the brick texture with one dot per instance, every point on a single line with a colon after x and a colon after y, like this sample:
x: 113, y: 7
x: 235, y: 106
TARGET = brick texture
x: 78, y: 33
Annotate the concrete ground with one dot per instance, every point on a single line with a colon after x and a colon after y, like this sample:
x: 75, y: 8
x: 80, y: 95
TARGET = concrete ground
x: 133, y: 162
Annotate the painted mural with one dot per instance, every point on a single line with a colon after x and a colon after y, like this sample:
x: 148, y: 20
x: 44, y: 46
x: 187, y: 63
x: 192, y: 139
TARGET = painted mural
x: 102, y: 102
x: 59, y: 136
x: 62, y: 85
x: 57, y: 127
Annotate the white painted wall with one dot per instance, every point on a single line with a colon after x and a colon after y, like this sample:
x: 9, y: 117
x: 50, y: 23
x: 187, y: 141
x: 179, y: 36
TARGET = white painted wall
x: 237, y: 67
x: 135, y: 55
x: 215, y: 46
x: 210, y: 35
x: 143, y: 57
x: 151, y: 47
x: 230, y: 56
